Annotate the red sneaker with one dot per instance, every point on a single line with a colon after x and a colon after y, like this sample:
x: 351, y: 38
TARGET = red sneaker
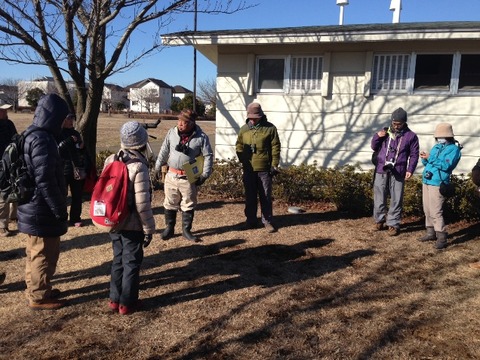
x: 130, y: 309
x: 113, y: 305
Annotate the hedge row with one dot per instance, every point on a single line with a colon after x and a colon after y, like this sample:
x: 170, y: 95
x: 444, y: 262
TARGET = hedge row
x: 348, y: 187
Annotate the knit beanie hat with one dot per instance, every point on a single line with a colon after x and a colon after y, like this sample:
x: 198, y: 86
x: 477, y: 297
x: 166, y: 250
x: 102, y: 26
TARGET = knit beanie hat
x: 443, y: 130
x: 133, y: 135
x: 399, y: 115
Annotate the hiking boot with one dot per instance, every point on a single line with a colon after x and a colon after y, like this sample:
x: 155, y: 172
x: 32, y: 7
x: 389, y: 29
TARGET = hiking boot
x: 393, y: 231
x: 475, y: 265
x: 430, y: 235
x: 380, y: 226
x: 55, y: 294
x: 114, y: 306
x: 270, y: 228
x: 4, y: 232
x: 441, y: 240
x: 187, y: 219
x: 47, y: 304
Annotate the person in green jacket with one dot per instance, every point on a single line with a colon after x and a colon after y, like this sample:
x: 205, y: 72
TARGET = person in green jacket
x: 258, y: 149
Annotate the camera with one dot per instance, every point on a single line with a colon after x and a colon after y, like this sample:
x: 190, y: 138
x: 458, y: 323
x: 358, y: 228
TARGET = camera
x: 183, y: 148
x: 253, y: 148
x: 389, y: 165
x: 428, y: 175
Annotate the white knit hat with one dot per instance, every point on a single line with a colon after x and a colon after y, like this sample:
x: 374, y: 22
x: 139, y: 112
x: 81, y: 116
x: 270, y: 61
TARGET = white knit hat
x: 133, y: 135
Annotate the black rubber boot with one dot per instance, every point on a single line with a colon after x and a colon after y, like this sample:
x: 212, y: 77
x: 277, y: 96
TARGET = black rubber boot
x: 170, y: 220
x: 441, y: 240
x: 187, y: 219
x: 430, y: 235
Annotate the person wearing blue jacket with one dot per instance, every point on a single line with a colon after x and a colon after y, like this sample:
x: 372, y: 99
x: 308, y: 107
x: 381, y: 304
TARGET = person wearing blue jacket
x: 439, y: 164
x: 44, y: 218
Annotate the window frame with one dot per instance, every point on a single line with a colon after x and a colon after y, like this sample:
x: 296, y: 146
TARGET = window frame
x: 453, y: 87
x: 287, y: 74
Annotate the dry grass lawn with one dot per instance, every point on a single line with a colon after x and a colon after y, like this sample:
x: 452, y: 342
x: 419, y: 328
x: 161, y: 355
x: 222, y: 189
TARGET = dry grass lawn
x: 325, y: 286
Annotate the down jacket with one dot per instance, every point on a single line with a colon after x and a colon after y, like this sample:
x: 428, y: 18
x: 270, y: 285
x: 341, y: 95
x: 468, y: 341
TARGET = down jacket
x: 46, y: 213
x: 199, y: 144
x: 139, y: 197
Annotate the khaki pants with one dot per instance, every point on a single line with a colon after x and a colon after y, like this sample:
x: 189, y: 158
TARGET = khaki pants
x: 41, y: 263
x: 179, y: 193
x: 7, y: 211
x: 433, y: 207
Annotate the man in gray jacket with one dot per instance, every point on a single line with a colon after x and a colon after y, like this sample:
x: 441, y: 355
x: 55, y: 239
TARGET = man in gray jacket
x: 182, y: 145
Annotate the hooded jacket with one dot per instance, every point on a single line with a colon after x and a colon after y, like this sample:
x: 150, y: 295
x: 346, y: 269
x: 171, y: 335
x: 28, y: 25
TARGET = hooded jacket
x: 46, y: 213
x: 442, y: 160
x: 258, y: 147
x: 402, y: 149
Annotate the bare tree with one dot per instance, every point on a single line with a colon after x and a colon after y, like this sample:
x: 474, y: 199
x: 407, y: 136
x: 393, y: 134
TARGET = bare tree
x: 207, y: 92
x: 9, y: 92
x: 72, y: 38
x: 148, y: 99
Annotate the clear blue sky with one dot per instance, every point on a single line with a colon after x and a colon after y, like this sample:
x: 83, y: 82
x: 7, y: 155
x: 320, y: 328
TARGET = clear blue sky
x: 175, y: 65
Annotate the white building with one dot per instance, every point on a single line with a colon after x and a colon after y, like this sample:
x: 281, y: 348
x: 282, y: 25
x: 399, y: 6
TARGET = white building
x: 329, y: 88
x: 150, y: 96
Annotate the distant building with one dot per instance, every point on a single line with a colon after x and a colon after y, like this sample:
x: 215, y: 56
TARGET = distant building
x: 150, y: 95
x: 179, y: 92
x: 45, y: 83
x: 114, y: 98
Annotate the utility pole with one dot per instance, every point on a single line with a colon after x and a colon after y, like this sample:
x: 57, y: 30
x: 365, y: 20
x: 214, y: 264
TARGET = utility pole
x: 195, y: 61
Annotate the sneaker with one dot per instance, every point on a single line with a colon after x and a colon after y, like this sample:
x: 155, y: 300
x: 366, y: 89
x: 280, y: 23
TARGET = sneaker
x: 393, y: 231
x: 130, y: 309
x: 380, y: 226
x: 270, y: 228
x: 78, y: 224
x: 4, y: 232
x: 475, y: 265
x: 2, y: 277
x: 113, y: 305
x: 47, y: 304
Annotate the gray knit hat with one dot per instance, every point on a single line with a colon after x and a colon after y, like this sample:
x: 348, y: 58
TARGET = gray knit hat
x: 399, y: 115
x: 133, y: 135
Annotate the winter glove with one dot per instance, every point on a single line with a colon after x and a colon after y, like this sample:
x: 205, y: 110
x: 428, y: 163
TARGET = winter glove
x: 274, y: 171
x: 200, y: 180
x: 147, y: 240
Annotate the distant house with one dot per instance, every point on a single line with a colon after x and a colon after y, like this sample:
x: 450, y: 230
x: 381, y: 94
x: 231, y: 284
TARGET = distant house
x: 329, y: 88
x: 150, y: 96
x: 114, y: 97
x: 45, y: 83
x: 8, y: 95
x: 179, y: 92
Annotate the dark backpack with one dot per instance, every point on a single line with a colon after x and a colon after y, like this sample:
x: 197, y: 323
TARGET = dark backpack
x: 476, y: 174
x: 16, y: 184
x: 109, y: 203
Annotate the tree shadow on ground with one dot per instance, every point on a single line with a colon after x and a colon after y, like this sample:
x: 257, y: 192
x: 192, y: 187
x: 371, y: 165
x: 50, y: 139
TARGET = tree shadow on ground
x: 266, y: 266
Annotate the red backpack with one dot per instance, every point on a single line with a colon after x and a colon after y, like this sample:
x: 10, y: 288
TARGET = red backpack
x: 109, y: 205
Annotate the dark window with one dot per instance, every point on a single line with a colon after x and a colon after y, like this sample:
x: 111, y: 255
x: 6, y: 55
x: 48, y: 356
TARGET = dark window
x: 469, y: 72
x: 433, y: 72
x: 271, y: 74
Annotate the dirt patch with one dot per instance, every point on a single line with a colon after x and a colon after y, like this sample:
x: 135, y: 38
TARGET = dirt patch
x: 325, y: 286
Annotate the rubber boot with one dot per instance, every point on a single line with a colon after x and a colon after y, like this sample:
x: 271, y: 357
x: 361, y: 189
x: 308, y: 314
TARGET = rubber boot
x: 441, y: 240
x: 430, y: 235
x: 170, y: 220
x: 187, y: 219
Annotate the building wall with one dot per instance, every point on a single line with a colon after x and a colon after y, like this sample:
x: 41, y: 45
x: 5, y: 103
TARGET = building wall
x: 336, y: 126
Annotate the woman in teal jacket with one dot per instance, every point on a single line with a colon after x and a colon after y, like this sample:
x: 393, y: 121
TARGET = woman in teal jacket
x: 439, y: 164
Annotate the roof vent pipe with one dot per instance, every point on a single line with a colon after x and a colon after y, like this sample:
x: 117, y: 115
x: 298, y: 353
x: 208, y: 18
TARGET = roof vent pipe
x: 396, y: 7
x: 341, y: 3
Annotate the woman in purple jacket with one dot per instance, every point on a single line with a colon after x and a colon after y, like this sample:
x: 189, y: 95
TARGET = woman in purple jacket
x: 398, y: 152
